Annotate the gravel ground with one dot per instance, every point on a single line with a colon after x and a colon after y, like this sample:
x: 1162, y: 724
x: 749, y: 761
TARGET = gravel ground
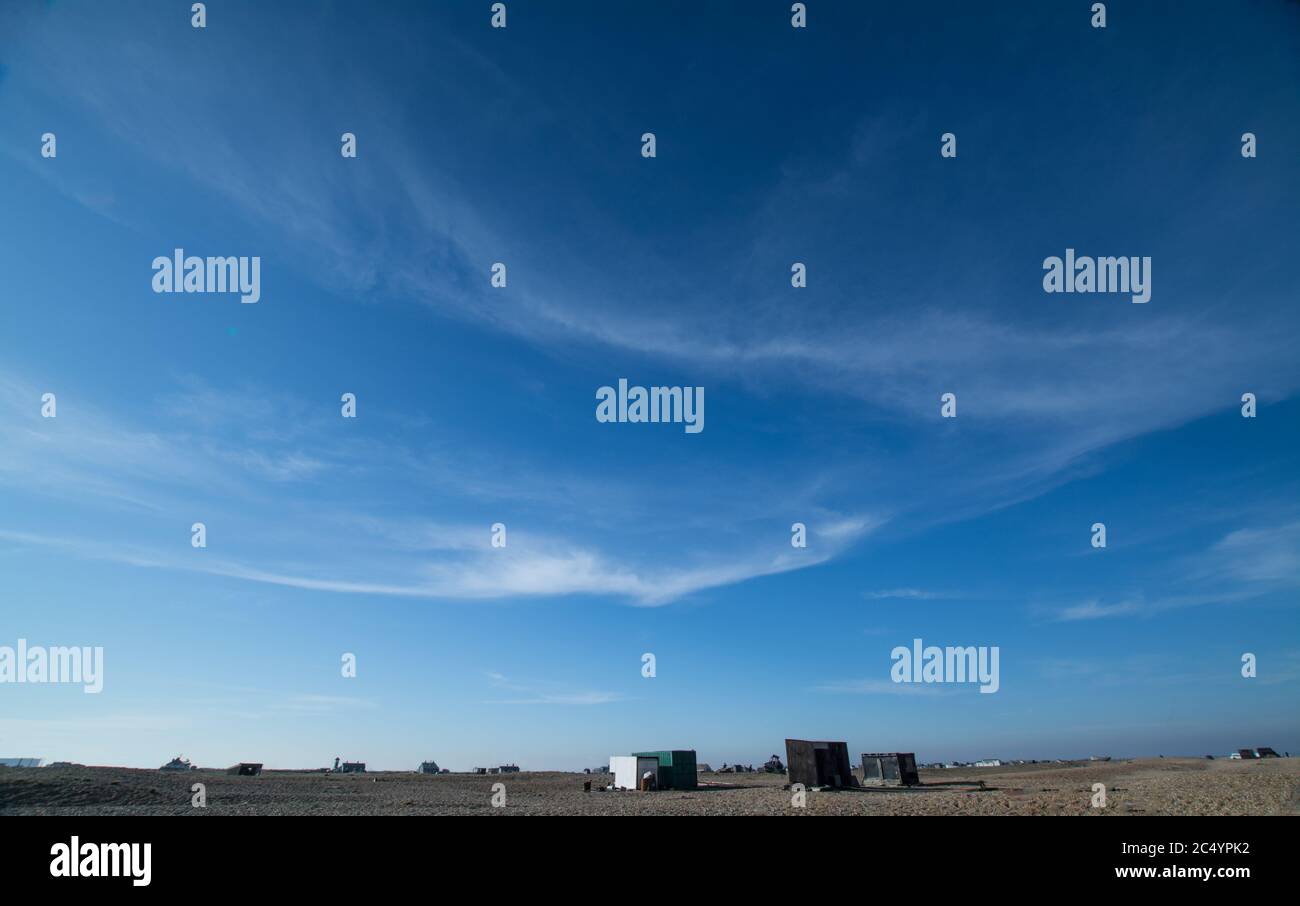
x: 1170, y: 786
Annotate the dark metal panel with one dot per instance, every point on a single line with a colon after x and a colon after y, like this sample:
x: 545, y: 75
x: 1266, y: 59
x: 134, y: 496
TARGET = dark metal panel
x: 818, y: 763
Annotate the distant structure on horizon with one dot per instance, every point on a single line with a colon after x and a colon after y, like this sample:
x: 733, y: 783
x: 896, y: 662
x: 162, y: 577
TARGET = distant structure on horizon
x: 499, y: 769
x: 1261, y: 752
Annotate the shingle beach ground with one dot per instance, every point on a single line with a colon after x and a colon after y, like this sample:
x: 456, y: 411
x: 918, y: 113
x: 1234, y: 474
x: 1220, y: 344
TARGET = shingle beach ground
x: 1169, y: 786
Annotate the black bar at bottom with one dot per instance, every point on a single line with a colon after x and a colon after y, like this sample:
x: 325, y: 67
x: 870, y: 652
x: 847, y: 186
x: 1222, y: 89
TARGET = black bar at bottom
x: 331, y: 856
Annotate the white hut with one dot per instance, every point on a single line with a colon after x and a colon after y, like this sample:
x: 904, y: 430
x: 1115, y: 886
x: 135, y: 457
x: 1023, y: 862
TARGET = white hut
x: 628, y: 769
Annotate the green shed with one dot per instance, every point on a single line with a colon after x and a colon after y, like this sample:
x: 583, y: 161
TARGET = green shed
x: 676, y: 769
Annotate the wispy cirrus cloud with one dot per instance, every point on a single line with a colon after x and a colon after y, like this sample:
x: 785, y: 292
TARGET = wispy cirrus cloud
x: 317, y: 704
x: 538, y: 692
x: 1246, y: 563
x: 413, y: 231
x: 1145, y: 606
x: 910, y: 594
x: 880, y: 687
x: 1259, y: 555
x: 1073, y: 374
x: 1095, y: 610
x: 500, y: 574
x: 210, y: 455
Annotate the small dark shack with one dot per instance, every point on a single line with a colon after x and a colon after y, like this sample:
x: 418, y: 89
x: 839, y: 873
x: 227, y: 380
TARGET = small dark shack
x: 820, y: 764
x: 889, y: 769
x: 245, y: 769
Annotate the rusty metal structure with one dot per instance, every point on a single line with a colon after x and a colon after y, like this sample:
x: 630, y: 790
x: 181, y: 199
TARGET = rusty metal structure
x: 819, y: 764
x: 890, y: 769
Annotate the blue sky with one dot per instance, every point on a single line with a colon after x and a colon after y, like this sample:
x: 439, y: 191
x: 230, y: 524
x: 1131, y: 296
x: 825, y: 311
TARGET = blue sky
x: 476, y: 405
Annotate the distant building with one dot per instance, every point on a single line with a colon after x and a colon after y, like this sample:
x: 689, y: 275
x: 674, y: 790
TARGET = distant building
x: 179, y: 763
x: 20, y: 762
x: 989, y: 763
x: 245, y: 769
x: 428, y: 767
x: 352, y: 767
x: 736, y: 769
